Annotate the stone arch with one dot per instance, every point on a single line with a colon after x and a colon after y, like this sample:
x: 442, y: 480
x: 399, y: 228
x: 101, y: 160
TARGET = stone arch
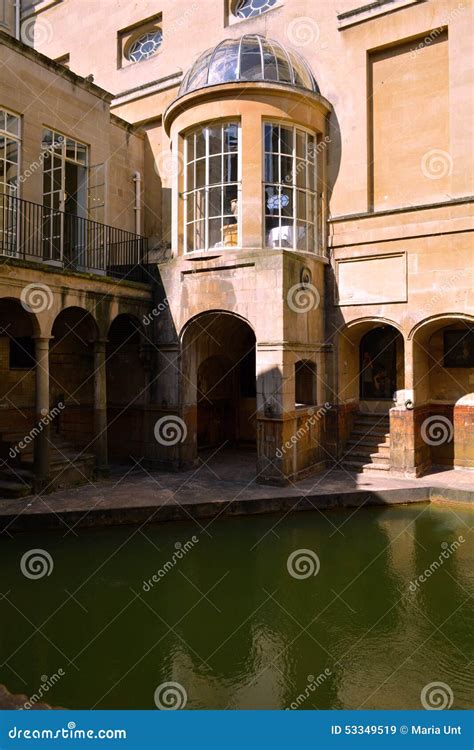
x: 443, y: 368
x: 218, y: 387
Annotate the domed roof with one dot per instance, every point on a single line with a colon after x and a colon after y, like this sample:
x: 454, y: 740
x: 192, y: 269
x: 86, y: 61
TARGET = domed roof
x: 250, y: 58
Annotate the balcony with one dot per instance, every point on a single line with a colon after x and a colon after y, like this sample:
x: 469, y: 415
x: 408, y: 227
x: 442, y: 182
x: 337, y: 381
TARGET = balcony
x: 36, y: 233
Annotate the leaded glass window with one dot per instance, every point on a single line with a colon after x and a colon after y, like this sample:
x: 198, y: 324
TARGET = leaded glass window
x: 290, y: 187
x: 145, y: 46
x: 212, y: 187
x: 250, y: 8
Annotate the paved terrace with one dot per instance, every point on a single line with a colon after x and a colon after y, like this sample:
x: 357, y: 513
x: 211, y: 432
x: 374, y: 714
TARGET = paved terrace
x: 223, y: 484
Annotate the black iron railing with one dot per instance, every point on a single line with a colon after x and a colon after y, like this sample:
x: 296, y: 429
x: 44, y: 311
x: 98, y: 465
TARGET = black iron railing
x: 30, y: 231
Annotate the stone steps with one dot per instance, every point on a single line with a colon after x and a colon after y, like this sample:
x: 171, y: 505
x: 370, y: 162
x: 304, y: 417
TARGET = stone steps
x: 69, y: 466
x: 368, y: 447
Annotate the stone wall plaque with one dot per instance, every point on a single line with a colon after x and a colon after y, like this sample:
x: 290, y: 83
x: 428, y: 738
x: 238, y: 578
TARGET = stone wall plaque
x: 372, y: 280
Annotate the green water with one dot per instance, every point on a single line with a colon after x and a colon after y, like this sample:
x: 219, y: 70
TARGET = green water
x: 231, y: 625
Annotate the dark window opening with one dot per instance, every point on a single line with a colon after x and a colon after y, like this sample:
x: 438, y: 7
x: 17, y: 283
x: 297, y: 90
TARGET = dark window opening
x: 305, y: 383
x: 458, y: 348
x: 22, y: 353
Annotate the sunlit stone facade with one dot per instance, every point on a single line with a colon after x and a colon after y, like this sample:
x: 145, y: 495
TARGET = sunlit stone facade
x: 306, y: 191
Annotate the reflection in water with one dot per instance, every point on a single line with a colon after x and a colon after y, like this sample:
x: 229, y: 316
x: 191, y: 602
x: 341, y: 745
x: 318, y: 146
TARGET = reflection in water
x: 232, y: 626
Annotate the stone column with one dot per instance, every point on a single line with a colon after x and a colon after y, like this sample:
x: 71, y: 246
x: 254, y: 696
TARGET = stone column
x: 100, y: 407
x: 41, y: 444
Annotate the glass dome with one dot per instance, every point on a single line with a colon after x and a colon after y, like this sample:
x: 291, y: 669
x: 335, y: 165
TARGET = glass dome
x: 250, y: 58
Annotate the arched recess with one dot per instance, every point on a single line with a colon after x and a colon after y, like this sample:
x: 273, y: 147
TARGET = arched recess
x: 18, y: 329
x: 71, y: 363
x: 127, y: 391
x: 443, y: 377
x: 371, y: 364
x: 219, y: 380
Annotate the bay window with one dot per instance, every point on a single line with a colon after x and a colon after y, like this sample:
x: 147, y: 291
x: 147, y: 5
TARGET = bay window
x: 212, y: 187
x: 290, y: 198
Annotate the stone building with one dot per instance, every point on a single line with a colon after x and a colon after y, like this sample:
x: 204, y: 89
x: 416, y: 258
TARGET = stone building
x: 302, y: 175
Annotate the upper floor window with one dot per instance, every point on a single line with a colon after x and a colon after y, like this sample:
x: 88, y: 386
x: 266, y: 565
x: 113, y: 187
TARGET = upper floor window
x: 250, y: 8
x: 9, y: 152
x: 145, y: 46
x: 290, y: 204
x: 212, y: 187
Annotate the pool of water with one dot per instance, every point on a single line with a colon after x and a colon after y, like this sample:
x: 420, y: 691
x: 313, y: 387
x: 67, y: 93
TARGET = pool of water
x: 231, y: 625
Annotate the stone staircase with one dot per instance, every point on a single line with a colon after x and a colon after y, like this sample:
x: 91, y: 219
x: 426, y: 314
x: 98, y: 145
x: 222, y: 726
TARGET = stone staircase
x: 69, y: 466
x: 368, y: 447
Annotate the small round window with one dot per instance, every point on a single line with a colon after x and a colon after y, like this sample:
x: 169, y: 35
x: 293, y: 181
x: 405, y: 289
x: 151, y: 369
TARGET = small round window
x: 145, y: 46
x: 249, y: 8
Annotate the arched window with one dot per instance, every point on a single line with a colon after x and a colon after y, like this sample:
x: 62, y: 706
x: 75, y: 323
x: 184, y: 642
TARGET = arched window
x: 290, y: 187
x: 212, y: 187
x: 250, y: 8
x: 305, y: 383
x: 145, y: 46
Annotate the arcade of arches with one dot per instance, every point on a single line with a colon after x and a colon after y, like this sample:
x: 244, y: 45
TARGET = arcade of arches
x: 97, y: 380
x: 418, y: 384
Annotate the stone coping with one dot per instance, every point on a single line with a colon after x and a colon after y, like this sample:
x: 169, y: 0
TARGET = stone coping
x: 161, y: 496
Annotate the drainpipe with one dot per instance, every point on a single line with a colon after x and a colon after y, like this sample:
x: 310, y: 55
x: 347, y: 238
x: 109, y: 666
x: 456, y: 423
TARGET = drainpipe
x: 17, y: 18
x: 137, y: 178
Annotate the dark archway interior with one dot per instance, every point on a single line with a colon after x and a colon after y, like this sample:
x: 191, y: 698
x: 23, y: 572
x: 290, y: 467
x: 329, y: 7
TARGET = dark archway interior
x: 71, y: 364
x: 379, y: 363
x: 221, y: 347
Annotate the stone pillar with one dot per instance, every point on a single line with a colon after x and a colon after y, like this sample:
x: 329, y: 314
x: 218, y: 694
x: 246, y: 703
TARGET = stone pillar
x: 41, y: 444
x: 100, y: 407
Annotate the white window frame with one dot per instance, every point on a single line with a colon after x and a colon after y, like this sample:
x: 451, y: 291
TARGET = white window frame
x: 293, y: 186
x: 207, y: 187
